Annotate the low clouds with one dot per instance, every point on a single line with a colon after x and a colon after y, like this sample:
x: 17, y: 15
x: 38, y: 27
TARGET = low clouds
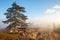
x: 57, y: 7
x: 52, y: 15
x: 50, y: 11
x: 2, y: 25
x: 54, y: 10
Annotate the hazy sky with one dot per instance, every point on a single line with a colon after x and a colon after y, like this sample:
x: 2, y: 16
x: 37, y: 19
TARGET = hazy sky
x: 38, y: 11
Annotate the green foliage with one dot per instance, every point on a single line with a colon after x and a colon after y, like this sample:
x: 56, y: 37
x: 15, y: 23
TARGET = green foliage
x: 15, y: 16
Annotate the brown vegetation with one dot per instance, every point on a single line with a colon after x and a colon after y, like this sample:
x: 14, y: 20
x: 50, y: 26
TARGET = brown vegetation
x: 31, y: 34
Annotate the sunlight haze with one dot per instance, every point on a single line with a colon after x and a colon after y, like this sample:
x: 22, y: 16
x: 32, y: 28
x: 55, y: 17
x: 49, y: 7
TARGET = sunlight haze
x: 39, y: 12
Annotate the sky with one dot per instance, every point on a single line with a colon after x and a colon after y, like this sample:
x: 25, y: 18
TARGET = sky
x: 39, y: 12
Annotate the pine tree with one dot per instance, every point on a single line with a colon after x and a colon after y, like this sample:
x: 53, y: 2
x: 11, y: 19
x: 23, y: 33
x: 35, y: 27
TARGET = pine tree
x: 15, y: 16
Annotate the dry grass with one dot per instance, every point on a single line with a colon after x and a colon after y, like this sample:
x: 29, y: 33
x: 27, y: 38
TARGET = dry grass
x: 6, y: 36
x: 31, y: 35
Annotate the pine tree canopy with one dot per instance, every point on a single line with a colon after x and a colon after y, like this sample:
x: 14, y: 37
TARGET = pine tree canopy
x: 15, y: 16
